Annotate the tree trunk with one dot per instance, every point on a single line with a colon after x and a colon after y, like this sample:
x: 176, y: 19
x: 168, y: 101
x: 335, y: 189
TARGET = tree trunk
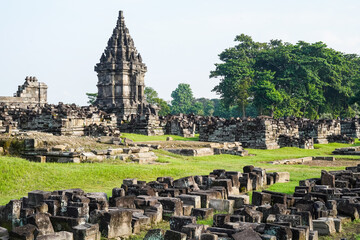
x: 243, y: 110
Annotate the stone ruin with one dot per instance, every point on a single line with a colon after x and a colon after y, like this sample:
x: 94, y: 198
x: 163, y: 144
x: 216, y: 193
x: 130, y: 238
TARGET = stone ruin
x: 121, y: 75
x: 133, y: 207
x: 260, y: 132
x: 31, y: 93
x: 62, y: 119
x: 268, y: 133
x: 121, y: 107
x: 319, y: 206
x: 41, y: 151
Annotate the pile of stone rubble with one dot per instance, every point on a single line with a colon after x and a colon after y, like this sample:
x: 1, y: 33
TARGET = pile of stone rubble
x: 318, y: 206
x: 136, y: 206
x: 347, y: 151
x: 34, y: 151
x: 301, y: 160
x: 234, y: 148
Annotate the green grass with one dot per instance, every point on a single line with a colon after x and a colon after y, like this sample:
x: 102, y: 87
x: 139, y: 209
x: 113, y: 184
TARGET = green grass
x: 19, y: 176
x: 144, y: 138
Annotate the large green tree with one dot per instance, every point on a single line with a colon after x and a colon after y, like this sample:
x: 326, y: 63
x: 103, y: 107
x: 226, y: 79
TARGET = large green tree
x: 283, y: 79
x: 182, y: 99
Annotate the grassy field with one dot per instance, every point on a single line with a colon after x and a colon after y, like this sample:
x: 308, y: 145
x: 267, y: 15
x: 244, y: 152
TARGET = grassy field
x: 19, y: 176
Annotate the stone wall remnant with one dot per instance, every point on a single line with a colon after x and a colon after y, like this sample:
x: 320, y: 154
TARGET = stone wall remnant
x: 31, y: 93
x: 267, y: 133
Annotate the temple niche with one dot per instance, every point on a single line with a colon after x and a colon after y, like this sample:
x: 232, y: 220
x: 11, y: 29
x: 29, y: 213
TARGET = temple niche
x: 121, y: 74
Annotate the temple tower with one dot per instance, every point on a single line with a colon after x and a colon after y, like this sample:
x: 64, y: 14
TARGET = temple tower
x: 121, y: 74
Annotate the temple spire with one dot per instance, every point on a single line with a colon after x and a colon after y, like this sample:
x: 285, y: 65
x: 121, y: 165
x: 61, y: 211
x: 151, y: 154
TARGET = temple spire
x: 121, y: 72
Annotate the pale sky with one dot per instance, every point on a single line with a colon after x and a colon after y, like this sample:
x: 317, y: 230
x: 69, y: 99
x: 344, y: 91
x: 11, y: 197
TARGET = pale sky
x: 60, y: 41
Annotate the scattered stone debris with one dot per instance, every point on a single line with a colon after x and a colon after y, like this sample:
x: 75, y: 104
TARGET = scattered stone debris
x: 347, y: 151
x: 59, y: 154
x: 133, y: 207
x: 319, y: 206
x: 302, y: 160
x: 224, y: 148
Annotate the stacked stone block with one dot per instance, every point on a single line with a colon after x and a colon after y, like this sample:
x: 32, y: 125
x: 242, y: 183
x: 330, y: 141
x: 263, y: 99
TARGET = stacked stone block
x: 268, y: 133
x: 134, y: 207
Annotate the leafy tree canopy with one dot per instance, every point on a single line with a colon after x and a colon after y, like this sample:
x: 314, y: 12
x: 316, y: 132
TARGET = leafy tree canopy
x: 182, y: 99
x: 91, y: 98
x: 284, y: 79
x: 152, y: 97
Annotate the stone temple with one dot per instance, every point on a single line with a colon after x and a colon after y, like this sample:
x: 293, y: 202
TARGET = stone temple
x: 121, y: 74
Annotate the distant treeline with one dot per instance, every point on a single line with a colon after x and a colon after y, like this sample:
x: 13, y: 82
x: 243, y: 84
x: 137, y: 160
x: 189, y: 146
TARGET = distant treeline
x: 183, y: 101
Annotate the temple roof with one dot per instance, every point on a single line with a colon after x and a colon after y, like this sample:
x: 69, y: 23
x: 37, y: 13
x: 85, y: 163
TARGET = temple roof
x: 120, y: 48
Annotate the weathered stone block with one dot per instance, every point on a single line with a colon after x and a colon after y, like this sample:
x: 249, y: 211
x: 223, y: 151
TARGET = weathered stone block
x: 171, y: 205
x: 260, y: 198
x: 26, y: 232
x: 280, y: 232
x: 252, y: 215
x: 144, y: 221
x: 338, y: 225
x: 221, y: 219
x: 124, y: 202
x: 222, y: 205
x: 206, y: 196
x: 191, y: 200
x: 113, y: 224
x: 294, y: 220
x: 155, y: 213
x: 87, y: 232
x: 327, y: 179
x: 57, y: 236
x: 186, y: 182
x: 187, y: 209
x: 208, y: 236
x: 61, y: 223
x: 248, y: 234
x: 42, y: 223
x: 203, y: 213
x: 193, y: 231
x: 267, y: 237
x: 177, y: 222
x: 155, y: 234
x: 313, y: 235
x: 299, y: 233
x: 282, y: 177
x: 10, y: 214
x: 239, y: 200
x: 324, y: 226
x: 4, y: 234
x: 174, y: 235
